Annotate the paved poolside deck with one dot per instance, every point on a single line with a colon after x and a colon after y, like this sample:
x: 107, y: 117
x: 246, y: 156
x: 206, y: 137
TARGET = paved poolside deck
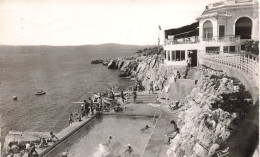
x: 156, y: 145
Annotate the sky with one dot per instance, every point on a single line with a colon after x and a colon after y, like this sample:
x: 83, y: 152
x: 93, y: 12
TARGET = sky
x: 82, y: 22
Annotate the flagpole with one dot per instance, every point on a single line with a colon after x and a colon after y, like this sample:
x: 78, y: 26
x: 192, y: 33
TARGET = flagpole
x: 159, y: 39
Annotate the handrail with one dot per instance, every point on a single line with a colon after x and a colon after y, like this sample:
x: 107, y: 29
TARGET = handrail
x: 245, y: 62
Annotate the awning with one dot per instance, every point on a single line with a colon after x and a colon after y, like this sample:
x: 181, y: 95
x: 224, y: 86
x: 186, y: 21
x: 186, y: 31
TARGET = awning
x: 185, y: 31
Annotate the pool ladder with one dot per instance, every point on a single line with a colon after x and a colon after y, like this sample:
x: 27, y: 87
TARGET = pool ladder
x: 157, y: 115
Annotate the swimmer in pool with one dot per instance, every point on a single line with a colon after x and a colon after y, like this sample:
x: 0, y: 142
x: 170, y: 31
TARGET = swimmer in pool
x: 108, y: 141
x: 145, y: 128
x: 129, y: 149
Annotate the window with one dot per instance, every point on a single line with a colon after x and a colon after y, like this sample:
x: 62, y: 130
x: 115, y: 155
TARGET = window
x: 182, y: 55
x: 212, y: 50
x: 169, y: 56
x: 173, y: 55
x: 165, y: 54
x: 178, y: 55
x: 232, y: 49
x: 207, y: 30
x: 225, y: 48
x: 243, y: 47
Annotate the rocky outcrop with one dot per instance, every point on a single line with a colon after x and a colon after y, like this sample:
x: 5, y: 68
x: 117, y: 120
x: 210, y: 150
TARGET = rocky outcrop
x: 146, y: 69
x: 211, y: 112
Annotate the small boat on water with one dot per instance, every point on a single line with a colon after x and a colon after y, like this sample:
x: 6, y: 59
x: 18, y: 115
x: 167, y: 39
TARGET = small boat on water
x: 14, y: 97
x: 40, y: 93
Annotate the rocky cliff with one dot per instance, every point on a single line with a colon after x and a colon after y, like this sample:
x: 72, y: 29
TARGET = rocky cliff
x: 210, y: 113
x: 146, y: 69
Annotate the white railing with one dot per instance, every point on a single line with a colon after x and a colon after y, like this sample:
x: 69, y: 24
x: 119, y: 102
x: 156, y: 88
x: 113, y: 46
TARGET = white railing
x: 246, y: 63
x: 195, y: 39
x: 227, y: 2
x: 227, y: 38
x: 181, y: 41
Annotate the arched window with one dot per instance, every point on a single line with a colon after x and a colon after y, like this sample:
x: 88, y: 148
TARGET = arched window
x: 207, y: 30
x: 244, y: 28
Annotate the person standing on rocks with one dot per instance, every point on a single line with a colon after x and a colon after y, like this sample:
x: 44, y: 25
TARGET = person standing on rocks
x: 151, y: 87
x: 135, y: 95
x: 123, y: 96
x: 163, y: 82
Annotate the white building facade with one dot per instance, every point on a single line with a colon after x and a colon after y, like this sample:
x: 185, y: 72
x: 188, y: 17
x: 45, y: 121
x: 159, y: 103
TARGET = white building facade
x: 223, y: 28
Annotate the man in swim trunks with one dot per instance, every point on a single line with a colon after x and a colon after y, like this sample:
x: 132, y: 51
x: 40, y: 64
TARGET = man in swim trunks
x: 172, y: 134
x: 71, y: 119
x: 51, y: 139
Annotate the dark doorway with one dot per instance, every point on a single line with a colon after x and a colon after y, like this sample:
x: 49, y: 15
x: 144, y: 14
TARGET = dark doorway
x: 244, y: 28
x: 221, y: 30
x: 193, y: 55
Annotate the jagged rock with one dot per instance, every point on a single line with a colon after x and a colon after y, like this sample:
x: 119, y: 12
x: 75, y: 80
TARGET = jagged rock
x: 112, y: 64
x: 213, y: 149
x: 204, y: 119
x: 120, y: 64
x: 199, y: 151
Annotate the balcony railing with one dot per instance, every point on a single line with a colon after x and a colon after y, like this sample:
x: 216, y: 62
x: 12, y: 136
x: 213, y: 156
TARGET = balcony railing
x: 227, y: 2
x: 181, y: 41
x: 227, y: 38
x: 246, y: 63
x: 194, y: 40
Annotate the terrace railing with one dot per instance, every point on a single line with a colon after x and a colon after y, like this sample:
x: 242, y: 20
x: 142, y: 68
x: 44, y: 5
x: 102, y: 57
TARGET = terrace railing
x: 194, y: 40
x: 227, y: 38
x: 181, y: 41
x: 246, y: 63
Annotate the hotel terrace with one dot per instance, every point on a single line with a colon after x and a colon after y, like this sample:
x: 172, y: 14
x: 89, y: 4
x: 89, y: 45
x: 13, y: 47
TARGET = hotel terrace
x: 219, y: 35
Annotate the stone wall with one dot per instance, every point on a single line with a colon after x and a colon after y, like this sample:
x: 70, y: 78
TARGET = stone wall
x: 178, y: 89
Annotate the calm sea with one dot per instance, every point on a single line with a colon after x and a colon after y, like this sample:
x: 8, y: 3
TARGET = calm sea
x: 66, y: 74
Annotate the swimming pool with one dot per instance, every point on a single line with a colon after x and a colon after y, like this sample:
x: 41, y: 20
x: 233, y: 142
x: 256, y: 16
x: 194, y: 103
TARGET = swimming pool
x: 124, y: 130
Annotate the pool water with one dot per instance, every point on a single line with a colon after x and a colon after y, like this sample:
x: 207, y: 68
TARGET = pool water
x: 88, y: 142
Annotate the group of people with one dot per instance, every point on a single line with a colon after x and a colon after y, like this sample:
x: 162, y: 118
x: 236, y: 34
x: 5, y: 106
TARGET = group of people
x: 87, y: 107
x: 98, y: 105
x: 29, y: 149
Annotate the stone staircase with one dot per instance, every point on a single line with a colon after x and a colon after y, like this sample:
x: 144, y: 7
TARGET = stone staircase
x: 144, y: 97
x: 191, y: 73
